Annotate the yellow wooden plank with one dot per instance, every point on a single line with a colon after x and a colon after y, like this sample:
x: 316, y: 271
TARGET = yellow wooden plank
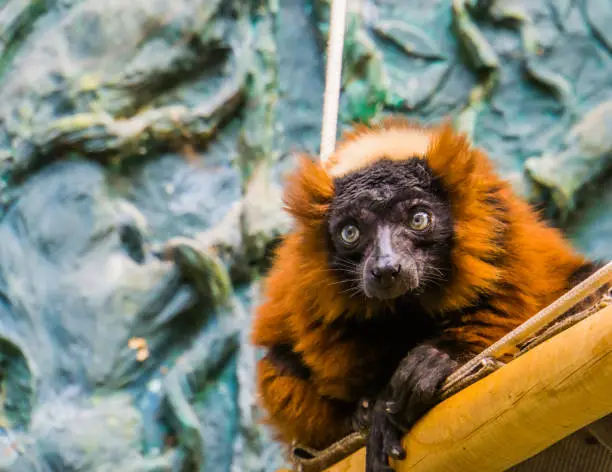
x: 514, y: 413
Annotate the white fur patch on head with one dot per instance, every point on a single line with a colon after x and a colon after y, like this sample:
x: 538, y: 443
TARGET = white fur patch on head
x: 394, y: 144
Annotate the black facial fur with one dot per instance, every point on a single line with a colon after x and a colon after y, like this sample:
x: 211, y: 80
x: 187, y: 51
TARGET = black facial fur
x: 390, y: 230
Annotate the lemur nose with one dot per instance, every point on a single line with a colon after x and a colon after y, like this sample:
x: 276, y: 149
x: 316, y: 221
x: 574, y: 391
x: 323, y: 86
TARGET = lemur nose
x: 386, y: 272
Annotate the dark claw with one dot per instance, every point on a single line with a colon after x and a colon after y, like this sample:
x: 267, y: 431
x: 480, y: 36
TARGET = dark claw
x: 398, y: 453
x: 393, y: 442
x: 392, y: 407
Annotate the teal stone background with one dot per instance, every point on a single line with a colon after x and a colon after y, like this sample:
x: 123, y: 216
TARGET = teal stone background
x: 142, y: 149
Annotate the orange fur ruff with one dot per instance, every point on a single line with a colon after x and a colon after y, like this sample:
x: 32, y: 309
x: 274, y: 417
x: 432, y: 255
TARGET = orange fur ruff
x: 302, y: 297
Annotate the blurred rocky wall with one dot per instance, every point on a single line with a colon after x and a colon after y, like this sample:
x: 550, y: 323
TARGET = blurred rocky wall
x: 142, y: 144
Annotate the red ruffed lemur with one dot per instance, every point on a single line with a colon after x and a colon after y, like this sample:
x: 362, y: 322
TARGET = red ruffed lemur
x: 409, y: 255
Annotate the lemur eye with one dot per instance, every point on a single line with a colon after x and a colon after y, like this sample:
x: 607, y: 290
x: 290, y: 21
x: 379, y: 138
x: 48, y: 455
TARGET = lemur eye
x: 350, y: 235
x: 420, y: 221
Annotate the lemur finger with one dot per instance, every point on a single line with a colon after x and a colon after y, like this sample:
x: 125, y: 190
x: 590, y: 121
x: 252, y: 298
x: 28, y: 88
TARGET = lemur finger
x: 393, y: 442
x: 379, y: 436
x: 362, y: 416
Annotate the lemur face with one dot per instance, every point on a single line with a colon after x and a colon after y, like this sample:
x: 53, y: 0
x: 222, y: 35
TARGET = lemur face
x: 390, y: 230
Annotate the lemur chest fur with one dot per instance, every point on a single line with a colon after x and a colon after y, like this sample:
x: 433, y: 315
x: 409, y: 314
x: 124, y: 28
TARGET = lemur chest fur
x: 361, y: 354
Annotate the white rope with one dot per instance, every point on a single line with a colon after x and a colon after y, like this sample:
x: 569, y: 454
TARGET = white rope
x: 333, y: 78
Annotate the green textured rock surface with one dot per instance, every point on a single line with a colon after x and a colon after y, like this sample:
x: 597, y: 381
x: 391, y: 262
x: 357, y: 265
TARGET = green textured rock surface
x: 142, y: 149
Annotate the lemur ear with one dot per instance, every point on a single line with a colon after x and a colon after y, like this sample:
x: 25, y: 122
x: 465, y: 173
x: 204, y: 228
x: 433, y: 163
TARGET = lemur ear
x: 308, y: 192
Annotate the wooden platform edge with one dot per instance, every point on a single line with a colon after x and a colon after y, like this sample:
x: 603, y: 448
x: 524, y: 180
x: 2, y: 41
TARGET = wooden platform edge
x: 518, y: 411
